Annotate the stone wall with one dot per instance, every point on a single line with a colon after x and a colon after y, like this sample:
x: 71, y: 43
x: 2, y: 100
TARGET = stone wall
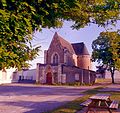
x: 65, y: 74
x: 85, y: 76
x: 84, y: 62
x: 55, y: 47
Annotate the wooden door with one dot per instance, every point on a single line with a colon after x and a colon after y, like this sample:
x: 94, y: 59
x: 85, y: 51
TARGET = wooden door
x: 49, y: 78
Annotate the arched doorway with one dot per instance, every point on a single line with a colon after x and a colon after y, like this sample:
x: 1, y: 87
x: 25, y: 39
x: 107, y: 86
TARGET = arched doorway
x: 49, y: 78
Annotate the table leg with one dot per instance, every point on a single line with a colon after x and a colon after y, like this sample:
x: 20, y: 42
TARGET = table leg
x: 109, y: 110
x: 89, y: 109
x: 99, y: 103
x: 106, y: 104
x: 108, y: 107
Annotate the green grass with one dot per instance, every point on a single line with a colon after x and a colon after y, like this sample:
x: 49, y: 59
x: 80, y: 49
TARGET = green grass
x: 70, y: 107
x: 74, y: 106
x: 106, y: 81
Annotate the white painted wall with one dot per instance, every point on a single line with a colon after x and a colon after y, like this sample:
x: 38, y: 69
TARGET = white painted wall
x: 28, y: 74
x: 8, y: 76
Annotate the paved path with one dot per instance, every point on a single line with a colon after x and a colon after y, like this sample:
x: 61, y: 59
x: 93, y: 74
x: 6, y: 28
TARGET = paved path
x: 28, y: 98
x: 111, y: 87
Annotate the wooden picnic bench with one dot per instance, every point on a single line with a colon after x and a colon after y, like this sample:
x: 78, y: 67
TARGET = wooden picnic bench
x: 86, y: 103
x: 114, y: 104
x: 101, y: 101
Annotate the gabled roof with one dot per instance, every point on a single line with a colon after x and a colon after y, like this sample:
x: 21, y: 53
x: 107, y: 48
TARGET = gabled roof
x: 80, y: 49
x: 64, y: 43
x: 75, y: 48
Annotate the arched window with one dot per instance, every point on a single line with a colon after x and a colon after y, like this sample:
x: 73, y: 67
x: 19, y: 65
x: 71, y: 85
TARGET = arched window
x: 55, y: 59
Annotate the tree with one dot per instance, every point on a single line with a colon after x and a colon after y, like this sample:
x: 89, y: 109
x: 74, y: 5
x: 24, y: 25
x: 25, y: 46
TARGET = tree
x: 18, y: 21
x: 100, y: 12
x: 20, y: 18
x: 114, y: 38
x: 101, y: 70
x: 106, y: 51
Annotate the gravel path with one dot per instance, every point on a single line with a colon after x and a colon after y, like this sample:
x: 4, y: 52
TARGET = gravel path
x: 28, y: 98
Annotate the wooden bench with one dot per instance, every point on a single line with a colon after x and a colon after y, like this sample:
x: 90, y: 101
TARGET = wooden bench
x: 114, y: 104
x: 86, y: 103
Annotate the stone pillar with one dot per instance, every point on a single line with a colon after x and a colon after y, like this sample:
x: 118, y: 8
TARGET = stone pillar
x: 37, y: 73
x: 59, y: 73
x: 82, y: 75
x: 45, y: 56
x: 42, y: 75
x: 89, y: 76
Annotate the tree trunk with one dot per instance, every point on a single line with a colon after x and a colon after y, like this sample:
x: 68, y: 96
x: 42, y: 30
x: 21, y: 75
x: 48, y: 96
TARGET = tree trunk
x: 112, y: 75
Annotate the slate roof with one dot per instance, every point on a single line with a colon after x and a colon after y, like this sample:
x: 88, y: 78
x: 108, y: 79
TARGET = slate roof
x: 80, y: 49
x: 75, y: 48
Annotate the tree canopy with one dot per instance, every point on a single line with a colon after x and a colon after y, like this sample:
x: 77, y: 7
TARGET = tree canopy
x: 20, y: 18
x: 100, y: 12
x: 114, y: 38
x: 106, y: 51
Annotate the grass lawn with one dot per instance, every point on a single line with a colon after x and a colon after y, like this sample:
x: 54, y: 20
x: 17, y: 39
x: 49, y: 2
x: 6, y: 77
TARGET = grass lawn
x: 74, y: 106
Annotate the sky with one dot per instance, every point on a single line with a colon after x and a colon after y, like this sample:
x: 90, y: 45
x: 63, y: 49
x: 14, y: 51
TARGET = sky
x: 86, y: 35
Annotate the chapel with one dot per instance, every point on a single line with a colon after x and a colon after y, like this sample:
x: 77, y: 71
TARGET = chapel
x: 65, y: 62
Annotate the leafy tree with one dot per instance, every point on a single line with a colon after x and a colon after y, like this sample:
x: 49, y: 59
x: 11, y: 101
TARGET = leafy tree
x: 106, y: 51
x: 20, y: 18
x: 114, y: 38
x: 101, y: 70
x: 100, y: 12
x: 18, y: 21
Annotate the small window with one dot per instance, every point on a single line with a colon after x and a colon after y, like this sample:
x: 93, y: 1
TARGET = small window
x: 63, y: 78
x: 55, y: 59
x: 76, y: 77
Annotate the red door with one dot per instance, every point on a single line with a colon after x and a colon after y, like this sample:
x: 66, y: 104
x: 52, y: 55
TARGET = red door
x: 49, y: 78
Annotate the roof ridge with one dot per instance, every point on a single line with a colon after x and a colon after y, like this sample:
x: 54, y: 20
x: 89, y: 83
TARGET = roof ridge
x: 64, y: 43
x: 80, y: 49
x: 78, y: 43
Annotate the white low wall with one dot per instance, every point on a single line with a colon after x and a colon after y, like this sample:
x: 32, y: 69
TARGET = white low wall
x: 8, y: 76
x: 116, y: 75
x: 28, y: 74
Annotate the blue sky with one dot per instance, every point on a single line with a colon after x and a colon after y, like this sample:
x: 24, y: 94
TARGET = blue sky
x: 86, y: 35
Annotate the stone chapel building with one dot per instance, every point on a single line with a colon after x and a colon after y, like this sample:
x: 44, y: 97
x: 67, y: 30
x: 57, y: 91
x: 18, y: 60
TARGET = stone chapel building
x: 65, y: 63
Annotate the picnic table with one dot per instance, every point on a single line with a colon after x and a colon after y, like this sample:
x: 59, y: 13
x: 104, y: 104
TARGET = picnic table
x: 101, y: 101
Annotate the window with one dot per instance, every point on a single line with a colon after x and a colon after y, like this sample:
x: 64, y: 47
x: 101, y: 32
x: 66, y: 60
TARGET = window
x: 55, y: 59
x: 77, y: 77
x: 63, y: 78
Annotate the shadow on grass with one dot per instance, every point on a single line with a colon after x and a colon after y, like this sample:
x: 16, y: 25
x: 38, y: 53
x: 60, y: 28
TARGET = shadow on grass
x: 74, y: 106
x: 71, y: 107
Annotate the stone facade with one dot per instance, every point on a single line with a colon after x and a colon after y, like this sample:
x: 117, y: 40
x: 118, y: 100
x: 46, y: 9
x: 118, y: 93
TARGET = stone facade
x: 65, y: 63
